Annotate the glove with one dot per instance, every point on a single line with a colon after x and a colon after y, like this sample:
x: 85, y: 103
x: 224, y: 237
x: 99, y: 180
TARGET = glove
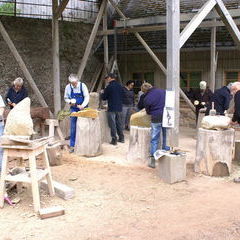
x: 73, y: 101
x: 203, y: 103
x: 68, y: 100
x: 196, y: 102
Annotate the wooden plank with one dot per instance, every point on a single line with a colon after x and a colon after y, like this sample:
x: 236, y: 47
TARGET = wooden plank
x: 60, y: 8
x: 51, y: 212
x: 228, y: 21
x: 196, y: 20
x: 184, y: 17
x: 56, y: 61
x: 61, y: 190
x: 91, y: 39
x: 204, y: 24
x: 173, y: 60
x: 22, y: 65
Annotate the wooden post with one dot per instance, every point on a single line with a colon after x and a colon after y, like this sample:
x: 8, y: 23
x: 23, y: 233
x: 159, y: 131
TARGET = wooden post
x: 173, y: 59
x: 56, y: 63
x: 213, y: 58
x: 105, y: 39
x: 22, y: 65
x: 91, y: 39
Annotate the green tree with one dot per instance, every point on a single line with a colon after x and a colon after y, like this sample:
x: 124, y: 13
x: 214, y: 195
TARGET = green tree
x: 7, y: 9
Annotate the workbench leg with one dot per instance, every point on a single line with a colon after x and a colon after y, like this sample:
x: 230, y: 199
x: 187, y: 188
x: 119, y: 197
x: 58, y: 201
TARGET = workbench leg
x: 35, y: 188
x: 49, y: 175
x: 3, y: 176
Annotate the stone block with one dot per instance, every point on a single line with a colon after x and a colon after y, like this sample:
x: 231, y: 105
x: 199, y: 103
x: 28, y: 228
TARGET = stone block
x: 140, y: 119
x: 172, y: 168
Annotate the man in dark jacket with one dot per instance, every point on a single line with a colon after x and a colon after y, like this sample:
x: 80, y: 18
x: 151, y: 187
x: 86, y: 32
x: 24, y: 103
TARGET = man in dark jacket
x: 128, y: 103
x: 154, y: 102
x: 202, y: 98
x: 16, y: 93
x: 221, y: 99
x: 113, y: 93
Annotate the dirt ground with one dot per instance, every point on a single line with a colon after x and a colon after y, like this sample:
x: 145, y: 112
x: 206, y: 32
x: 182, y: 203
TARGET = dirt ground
x: 114, y: 200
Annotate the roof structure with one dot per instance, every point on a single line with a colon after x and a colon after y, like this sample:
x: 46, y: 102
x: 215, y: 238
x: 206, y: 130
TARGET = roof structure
x: 140, y: 9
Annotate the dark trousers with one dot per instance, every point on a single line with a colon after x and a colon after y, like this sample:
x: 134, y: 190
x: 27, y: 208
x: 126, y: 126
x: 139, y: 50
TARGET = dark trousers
x: 115, y: 124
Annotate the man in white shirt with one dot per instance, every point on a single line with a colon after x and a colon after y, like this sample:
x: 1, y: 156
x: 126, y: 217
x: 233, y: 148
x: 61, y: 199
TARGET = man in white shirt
x: 77, y: 95
x: 2, y: 106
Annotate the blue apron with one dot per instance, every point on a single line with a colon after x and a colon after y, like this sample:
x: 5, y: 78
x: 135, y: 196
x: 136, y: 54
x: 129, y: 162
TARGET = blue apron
x: 79, y: 99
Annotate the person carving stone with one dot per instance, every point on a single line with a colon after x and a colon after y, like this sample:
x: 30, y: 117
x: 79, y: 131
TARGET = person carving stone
x: 77, y: 95
x: 16, y: 93
x: 2, y: 106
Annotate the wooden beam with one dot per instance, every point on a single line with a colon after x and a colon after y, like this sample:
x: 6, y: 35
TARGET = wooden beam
x: 105, y: 39
x: 196, y: 20
x: 185, y: 17
x: 229, y: 22
x: 59, y: 10
x: 56, y: 62
x: 22, y: 65
x: 204, y: 24
x: 213, y: 58
x: 173, y: 60
x: 117, y: 9
x: 151, y: 53
x: 91, y: 39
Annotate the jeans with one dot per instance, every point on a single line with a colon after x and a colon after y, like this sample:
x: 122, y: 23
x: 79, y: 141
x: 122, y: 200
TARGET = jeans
x: 155, y: 137
x: 115, y: 124
x: 1, y: 150
x: 126, y: 114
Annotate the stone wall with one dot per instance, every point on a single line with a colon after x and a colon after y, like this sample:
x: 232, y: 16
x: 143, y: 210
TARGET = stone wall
x: 32, y: 39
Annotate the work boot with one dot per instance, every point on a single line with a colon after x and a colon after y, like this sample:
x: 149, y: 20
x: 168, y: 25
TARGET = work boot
x: 121, y: 140
x: 114, y: 141
x: 71, y: 150
x: 151, y: 162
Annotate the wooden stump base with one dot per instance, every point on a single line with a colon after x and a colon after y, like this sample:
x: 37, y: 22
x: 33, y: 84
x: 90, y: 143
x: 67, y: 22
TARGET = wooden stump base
x: 215, y: 152
x: 139, y: 145
x: 88, y: 137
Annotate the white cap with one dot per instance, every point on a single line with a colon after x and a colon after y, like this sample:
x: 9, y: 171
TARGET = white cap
x: 203, y: 85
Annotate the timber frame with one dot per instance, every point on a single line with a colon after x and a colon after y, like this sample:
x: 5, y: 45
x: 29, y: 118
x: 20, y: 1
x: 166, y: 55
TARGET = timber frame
x: 173, y: 22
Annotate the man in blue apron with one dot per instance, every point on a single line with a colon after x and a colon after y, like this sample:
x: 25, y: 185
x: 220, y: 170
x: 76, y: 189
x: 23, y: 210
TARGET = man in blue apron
x: 77, y: 95
x: 2, y: 105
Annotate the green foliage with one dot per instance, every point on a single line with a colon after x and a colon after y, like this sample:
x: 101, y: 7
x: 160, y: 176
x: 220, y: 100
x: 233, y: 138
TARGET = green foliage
x: 8, y: 9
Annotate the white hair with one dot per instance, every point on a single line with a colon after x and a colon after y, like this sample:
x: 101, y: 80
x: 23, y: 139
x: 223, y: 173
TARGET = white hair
x: 203, y: 85
x: 73, y: 78
x: 18, y: 81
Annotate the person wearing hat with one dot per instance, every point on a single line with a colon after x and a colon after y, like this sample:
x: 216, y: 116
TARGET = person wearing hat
x: 16, y: 93
x: 77, y: 96
x: 221, y: 99
x: 2, y: 106
x: 113, y: 93
x: 202, y: 98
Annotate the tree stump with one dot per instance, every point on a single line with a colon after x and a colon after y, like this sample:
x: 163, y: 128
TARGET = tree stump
x: 215, y: 152
x: 88, y: 137
x: 105, y: 130
x: 139, y: 145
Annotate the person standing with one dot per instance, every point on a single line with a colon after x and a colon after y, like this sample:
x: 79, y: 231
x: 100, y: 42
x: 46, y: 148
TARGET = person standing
x: 202, y: 98
x: 16, y: 93
x: 154, y: 102
x: 235, y: 90
x: 221, y: 99
x: 2, y: 106
x: 128, y: 103
x: 77, y: 95
x: 113, y: 93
